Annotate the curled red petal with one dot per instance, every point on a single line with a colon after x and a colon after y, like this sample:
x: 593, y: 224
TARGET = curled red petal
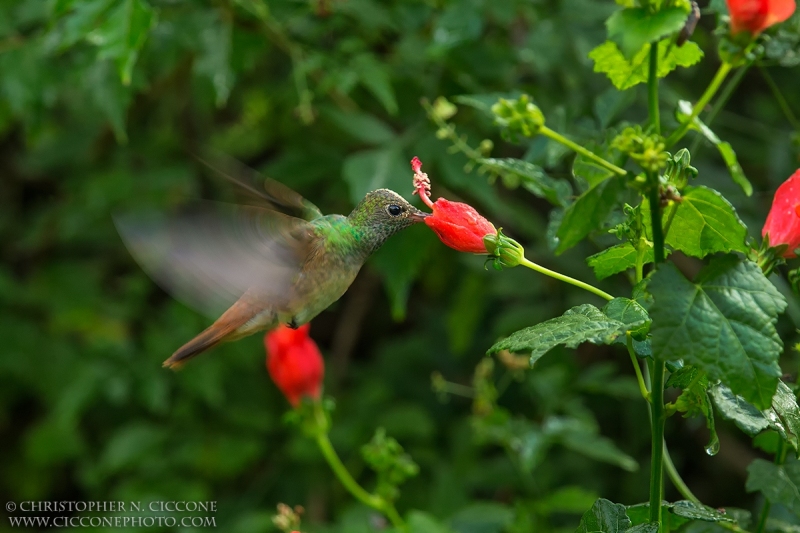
x: 459, y: 226
x: 783, y: 220
x: 294, y: 363
x: 755, y: 16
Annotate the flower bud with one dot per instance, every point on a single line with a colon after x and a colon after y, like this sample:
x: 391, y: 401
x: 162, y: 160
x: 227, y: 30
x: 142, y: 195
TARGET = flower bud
x: 783, y: 222
x: 294, y: 363
x: 754, y: 16
x: 520, y: 116
x: 459, y: 226
x: 506, y: 251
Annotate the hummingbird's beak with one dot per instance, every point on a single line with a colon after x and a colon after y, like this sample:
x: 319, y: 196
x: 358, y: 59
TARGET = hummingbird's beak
x: 419, y: 216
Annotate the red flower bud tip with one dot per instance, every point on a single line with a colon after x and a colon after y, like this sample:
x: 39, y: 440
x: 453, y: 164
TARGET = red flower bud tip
x: 460, y: 226
x: 294, y: 363
x: 783, y: 221
x: 755, y: 16
x: 422, y: 184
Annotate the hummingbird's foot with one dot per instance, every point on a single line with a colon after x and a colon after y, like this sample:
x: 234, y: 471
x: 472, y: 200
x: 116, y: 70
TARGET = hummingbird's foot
x: 293, y: 323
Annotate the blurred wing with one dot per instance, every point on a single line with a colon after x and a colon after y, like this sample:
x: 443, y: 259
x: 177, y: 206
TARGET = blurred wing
x: 276, y: 195
x: 209, y: 256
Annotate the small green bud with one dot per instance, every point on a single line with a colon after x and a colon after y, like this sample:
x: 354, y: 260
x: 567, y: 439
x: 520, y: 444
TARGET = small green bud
x: 518, y: 117
x: 442, y: 133
x: 443, y: 109
x: 503, y: 251
x: 486, y: 147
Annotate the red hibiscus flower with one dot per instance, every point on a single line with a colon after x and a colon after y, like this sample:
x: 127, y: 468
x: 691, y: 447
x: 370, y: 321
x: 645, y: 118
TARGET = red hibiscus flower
x: 783, y: 222
x: 458, y: 225
x: 294, y: 363
x: 755, y: 16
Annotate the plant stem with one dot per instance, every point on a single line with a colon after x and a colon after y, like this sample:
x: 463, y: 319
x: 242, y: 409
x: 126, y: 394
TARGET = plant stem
x: 657, y: 371
x: 547, y: 132
x: 711, y: 90
x: 565, y: 279
x: 652, y: 89
x: 676, y: 478
x: 637, y: 369
x: 655, y: 220
x: 657, y: 448
x: 784, y: 105
x: 352, y: 486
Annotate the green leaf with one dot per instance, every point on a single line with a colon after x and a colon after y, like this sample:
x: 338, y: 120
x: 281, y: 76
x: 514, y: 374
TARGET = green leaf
x: 587, y: 213
x: 705, y: 223
x: 723, y: 322
x: 608, y: 517
x: 725, y: 149
x: 783, y: 416
x: 678, y: 513
x: 421, y: 522
x: 533, y: 178
x: 617, y: 259
x: 779, y: 483
x: 584, y: 323
x: 695, y: 400
x: 629, y: 312
x: 482, y: 517
x: 214, y: 58
x: 399, y: 262
x: 123, y: 35
x: 737, y: 409
x: 375, y: 169
x: 361, y: 126
x: 633, y: 28
x: 569, y: 499
x: 375, y: 76
x: 625, y: 73
x: 599, y: 448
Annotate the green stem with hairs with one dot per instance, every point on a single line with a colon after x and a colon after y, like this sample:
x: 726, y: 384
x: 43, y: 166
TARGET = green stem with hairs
x: 652, y: 89
x: 577, y: 148
x: 657, y: 371
x: 566, y: 279
x: 352, y: 486
x: 709, y: 93
x: 636, y: 368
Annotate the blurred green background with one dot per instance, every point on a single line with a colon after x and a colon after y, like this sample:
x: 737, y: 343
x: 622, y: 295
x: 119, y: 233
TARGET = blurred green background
x: 101, y: 102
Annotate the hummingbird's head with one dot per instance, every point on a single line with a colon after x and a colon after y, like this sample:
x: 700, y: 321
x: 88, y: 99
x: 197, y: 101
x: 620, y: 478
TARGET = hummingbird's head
x: 383, y: 213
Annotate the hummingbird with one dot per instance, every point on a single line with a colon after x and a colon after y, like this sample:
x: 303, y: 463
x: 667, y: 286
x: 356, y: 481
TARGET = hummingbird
x: 280, y: 261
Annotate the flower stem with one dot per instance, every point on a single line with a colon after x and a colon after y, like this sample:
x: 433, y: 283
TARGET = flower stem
x: 657, y: 449
x: 565, y: 279
x: 652, y: 89
x: 657, y: 370
x: 784, y: 105
x: 547, y: 132
x: 637, y: 369
x: 352, y: 486
x: 676, y: 478
x: 711, y: 90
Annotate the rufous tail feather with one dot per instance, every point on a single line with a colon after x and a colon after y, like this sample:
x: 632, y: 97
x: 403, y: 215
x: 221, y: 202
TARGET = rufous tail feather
x: 231, y: 320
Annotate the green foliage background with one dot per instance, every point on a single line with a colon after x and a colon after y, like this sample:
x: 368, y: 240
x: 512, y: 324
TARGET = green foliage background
x: 102, y: 102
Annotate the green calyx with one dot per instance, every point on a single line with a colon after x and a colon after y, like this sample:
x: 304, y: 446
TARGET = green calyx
x: 647, y: 149
x: 503, y: 251
x: 518, y: 117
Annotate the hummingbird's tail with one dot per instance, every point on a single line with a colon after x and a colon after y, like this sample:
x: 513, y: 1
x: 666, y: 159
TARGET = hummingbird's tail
x: 227, y: 327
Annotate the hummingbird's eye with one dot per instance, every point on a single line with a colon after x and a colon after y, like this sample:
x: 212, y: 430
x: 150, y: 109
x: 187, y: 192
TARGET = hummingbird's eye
x: 394, y: 210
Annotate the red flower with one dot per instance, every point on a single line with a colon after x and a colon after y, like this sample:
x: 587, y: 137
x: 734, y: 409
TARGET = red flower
x: 783, y: 221
x: 458, y: 225
x: 294, y: 362
x: 757, y: 15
